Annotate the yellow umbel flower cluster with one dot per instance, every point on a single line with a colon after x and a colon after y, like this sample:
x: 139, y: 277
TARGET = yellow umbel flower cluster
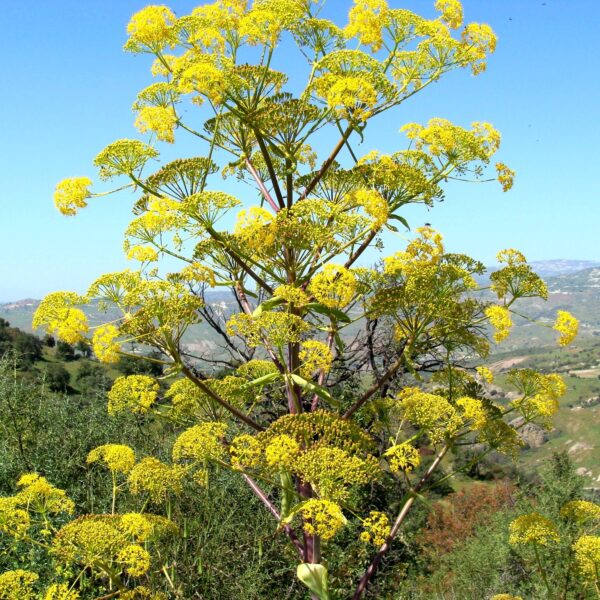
x: 452, y: 12
x: 532, y: 528
x: 322, y: 518
x: 201, y: 443
x: 334, y: 286
x: 61, y: 591
x: 58, y: 315
x: 506, y: 176
x: 156, y: 479
x: 281, y: 452
x: 499, y: 317
x: 314, y: 357
x: 110, y: 544
x: 246, y: 452
x: 587, y: 556
x: 142, y: 253
x: 18, y: 585
x: 376, y: 528
x: 104, y: 346
x: 275, y: 328
x: 581, y: 511
x: 517, y: 278
x: 429, y: 412
x: 151, y: 29
x: 71, y: 194
x: 291, y: 294
x: 134, y: 559
x: 505, y: 597
x: 473, y: 411
x: 366, y: 21
x: 331, y: 471
x: 117, y: 457
x: 402, y: 457
x: 567, y: 325
x: 159, y: 120
x: 485, y: 374
x: 267, y: 20
x: 39, y: 495
x: 134, y: 393
x: 374, y: 204
x: 442, y: 138
x: 14, y: 521
x: 541, y: 393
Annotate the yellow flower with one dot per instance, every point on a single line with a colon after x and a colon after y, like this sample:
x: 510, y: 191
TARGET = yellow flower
x: 567, y: 325
x: 14, y: 521
x: 473, y: 411
x: 158, y: 120
x: 201, y: 443
x: 151, y: 28
x: 374, y: 204
x: 71, y: 194
x: 104, y: 346
x: 57, y: 314
x: 532, y: 528
x: 581, y: 511
x: 587, y: 556
x: 366, y: 21
x: 322, y: 518
x: 17, y: 585
x: 499, y: 317
x: 403, y: 457
x: 246, y: 452
x: 505, y: 597
x: 485, y: 374
x: 506, y: 176
x: 135, y: 560
x: 352, y: 98
x: 281, y: 452
x: 331, y: 471
x: 452, y: 12
x: 142, y: 253
x: 157, y: 479
x: 117, y: 457
x: 291, y: 294
x: 334, y: 286
x: 39, y: 495
x: 136, y: 393
x: 61, y: 591
x: 314, y: 356
x: 430, y: 412
x: 376, y: 528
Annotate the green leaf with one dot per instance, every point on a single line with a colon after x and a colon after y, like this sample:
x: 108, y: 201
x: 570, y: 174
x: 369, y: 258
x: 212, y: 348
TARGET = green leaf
x: 313, y: 388
x: 259, y: 381
x: 267, y: 305
x: 402, y: 220
x: 314, y: 577
x: 288, y: 496
x: 335, y: 313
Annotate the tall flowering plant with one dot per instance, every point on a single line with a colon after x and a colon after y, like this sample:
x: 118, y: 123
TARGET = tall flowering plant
x: 309, y: 316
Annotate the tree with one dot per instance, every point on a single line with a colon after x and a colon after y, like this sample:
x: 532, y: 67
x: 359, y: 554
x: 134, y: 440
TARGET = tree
x: 56, y: 377
x: 308, y: 316
x: 65, y: 351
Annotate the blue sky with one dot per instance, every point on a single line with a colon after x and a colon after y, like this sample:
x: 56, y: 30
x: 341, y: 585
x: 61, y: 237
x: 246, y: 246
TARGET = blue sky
x: 69, y: 88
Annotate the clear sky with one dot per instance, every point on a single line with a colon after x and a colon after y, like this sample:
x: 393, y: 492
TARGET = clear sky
x: 68, y: 89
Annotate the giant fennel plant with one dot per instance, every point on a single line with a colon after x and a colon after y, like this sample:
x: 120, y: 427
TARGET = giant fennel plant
x: 333, y: 375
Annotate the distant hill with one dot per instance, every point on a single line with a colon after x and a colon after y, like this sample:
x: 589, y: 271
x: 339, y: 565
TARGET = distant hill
x: 574, y: 285
x: 553, y: 268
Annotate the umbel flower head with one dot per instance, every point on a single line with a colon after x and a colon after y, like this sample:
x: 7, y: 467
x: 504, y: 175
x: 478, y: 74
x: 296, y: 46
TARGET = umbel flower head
x: 71, y: 194
x: 532, y: 528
